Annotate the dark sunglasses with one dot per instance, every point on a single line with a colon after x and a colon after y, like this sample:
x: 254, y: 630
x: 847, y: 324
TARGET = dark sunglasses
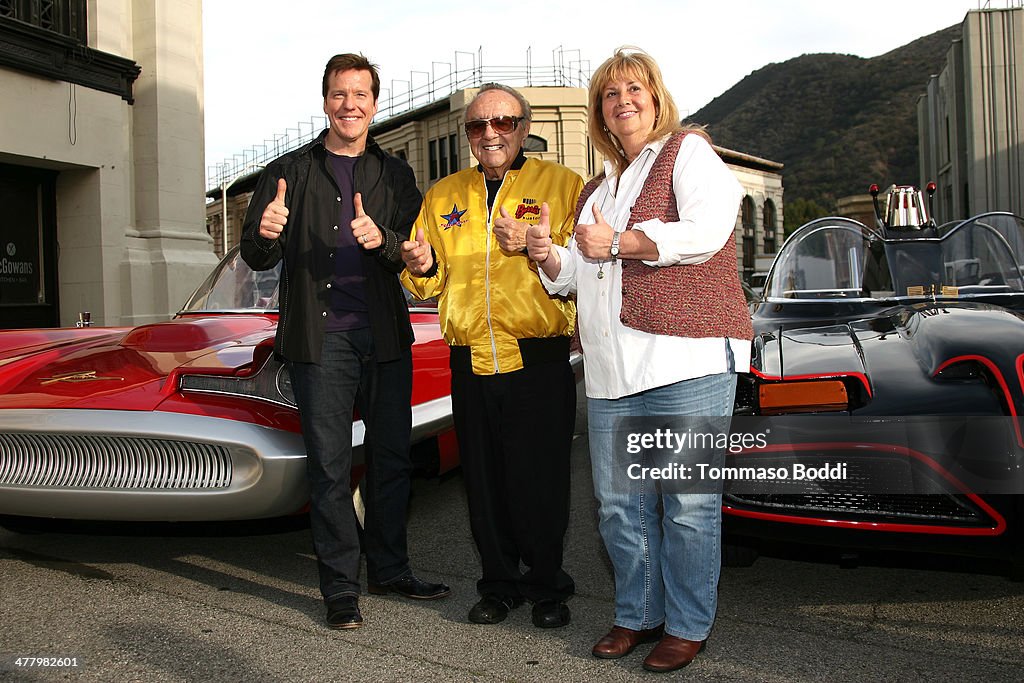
x: 500, y: 124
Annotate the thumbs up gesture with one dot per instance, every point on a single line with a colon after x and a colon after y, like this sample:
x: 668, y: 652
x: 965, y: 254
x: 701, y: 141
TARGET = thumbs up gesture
x: 365, y: 230
x: 538, y: 237
x: 275, y: 216
x: 416, y: 254
x: 510, y: 233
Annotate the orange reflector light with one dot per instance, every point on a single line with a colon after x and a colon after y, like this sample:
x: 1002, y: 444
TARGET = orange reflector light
x: 803, y: 397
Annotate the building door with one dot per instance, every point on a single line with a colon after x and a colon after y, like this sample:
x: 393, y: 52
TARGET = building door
x: 28, y: 248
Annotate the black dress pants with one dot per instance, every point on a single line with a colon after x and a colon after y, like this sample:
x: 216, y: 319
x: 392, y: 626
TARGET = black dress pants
x: 515, y: 434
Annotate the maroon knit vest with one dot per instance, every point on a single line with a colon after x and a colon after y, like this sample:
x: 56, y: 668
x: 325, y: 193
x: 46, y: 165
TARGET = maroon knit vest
x: 699, y: 300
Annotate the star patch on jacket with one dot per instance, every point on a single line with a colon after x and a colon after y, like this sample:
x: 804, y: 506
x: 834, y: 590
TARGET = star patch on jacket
x: 453, y: 219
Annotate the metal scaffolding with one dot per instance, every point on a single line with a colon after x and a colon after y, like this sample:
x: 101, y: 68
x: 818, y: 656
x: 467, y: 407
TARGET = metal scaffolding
x: 467, y: 70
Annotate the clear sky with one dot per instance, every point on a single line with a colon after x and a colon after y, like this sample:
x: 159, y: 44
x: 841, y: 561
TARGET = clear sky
x: 264, y: 59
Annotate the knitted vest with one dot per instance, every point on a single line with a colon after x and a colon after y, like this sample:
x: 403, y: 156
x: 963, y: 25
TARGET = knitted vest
x: 698, y: 300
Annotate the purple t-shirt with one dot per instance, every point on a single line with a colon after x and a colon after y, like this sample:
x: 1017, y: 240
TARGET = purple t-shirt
x: 348, y: 288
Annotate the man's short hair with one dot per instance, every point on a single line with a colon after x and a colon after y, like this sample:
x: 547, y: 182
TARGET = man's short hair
x: 346, y: 61
x: 524, y: 106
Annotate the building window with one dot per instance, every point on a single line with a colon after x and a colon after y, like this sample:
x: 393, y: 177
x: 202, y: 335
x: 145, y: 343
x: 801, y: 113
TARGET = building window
x: 65, y: 17
x: 535, y: 143
x: 444, y: 156
x: 770, y: 227
x: 453, y: 153
x: 50, y: 38
x: 747, y: 211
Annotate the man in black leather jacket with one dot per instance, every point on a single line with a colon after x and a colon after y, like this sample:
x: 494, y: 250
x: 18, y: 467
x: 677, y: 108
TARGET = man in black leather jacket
x: 336, y: 211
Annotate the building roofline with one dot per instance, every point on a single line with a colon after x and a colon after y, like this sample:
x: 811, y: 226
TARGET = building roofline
x: 748, y: 160
x: 399, y: 120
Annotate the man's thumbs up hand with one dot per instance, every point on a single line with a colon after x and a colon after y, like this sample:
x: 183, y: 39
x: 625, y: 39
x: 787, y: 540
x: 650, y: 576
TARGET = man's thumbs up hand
x: 365, y: 230
x: 275, y: 216
x: 416, y: 254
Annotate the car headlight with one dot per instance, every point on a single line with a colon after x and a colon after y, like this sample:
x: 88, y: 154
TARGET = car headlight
x: 271, y: 383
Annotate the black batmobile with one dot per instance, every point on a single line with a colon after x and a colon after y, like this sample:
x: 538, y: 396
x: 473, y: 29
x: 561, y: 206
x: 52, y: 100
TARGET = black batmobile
x: 889, y: 364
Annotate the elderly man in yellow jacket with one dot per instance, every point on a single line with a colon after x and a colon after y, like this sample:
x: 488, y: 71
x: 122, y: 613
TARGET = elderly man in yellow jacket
x: 513, y: 394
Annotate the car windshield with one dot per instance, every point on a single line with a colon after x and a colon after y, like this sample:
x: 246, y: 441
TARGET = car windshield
x: 233, y: 287
x: 839, y: 258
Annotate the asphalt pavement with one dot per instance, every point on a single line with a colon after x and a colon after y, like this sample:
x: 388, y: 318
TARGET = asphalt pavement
x: 240, y: 602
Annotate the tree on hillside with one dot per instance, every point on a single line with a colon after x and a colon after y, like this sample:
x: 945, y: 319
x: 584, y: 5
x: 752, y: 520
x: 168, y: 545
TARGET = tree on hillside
x: 799, y: 211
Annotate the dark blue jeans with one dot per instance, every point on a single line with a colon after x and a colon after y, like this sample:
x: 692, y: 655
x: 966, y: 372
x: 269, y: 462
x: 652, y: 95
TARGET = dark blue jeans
x: 349, y: 376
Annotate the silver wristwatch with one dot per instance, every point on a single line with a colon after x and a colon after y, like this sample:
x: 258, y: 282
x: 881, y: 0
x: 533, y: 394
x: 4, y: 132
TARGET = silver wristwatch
x: 615, y: 245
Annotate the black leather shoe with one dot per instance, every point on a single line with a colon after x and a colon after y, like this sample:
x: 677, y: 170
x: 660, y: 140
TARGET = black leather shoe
x: 493, y: 609
x: 411, y: 587
x: 343, y: 613
x: 550, y: 614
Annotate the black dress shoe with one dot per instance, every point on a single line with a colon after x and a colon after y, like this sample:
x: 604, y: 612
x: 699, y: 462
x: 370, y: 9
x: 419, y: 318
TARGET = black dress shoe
x: 493, y: 609
x: 411, y: 587
x: 550, y: 614
x: 343, y: 613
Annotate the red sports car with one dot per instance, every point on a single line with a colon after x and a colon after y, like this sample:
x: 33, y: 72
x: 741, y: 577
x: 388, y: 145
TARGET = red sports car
x: 189, y: 419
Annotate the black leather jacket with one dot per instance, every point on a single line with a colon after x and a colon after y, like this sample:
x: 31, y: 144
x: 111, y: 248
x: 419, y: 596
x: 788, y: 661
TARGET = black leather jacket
x: 309, y: 240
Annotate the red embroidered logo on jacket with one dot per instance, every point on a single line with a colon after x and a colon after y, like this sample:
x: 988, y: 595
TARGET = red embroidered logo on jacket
x: 530, y: 209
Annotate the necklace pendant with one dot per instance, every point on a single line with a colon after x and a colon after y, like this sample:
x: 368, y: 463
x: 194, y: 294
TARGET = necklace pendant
x: 600, y: 275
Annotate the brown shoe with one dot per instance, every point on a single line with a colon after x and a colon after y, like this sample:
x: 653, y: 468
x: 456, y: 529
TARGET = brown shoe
x: 619, y: 642
x: 672, y: 653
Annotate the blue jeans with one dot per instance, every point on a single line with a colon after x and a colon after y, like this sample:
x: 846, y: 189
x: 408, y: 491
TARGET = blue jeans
x: 667, y: 560
x: 349, y: 376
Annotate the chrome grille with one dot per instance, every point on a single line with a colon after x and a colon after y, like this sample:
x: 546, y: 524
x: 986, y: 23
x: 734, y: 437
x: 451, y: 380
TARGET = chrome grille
x: 913, y: 509
x: 879, y: 487
x: 78, y: 461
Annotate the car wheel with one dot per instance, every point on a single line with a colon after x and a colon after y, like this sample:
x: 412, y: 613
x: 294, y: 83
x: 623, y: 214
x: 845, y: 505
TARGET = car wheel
x: 426, y: 458
x: 359, y: 506
x: 27, y: 525
x: 738, y: 552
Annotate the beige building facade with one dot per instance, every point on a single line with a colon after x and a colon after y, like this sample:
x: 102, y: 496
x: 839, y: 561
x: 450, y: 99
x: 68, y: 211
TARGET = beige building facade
x: 101, y: 157
x: 759, y: 233
x: 971, y: 118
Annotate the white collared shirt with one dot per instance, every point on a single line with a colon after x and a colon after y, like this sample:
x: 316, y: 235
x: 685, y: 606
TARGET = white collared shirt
x: 620, y: 360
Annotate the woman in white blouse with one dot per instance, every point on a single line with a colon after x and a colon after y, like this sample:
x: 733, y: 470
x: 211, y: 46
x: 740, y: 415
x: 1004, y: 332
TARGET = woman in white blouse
x: 664, y: 330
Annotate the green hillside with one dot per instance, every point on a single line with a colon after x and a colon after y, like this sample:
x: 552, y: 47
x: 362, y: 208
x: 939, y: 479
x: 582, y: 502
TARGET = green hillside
x: 838, y: 122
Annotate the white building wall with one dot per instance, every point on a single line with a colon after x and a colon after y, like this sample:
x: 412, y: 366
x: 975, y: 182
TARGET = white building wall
x: 971, y: 117
x: 994, y: 93
x: 130, y: 206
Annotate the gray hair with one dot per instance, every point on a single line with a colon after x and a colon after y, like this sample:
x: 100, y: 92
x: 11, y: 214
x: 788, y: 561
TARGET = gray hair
x: 524, y: 106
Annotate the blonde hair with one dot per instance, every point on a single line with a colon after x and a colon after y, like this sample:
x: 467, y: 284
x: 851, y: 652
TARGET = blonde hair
x: 630, y: 63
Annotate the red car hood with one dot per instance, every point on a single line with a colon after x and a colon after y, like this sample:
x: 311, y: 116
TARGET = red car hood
x: 119, y: 368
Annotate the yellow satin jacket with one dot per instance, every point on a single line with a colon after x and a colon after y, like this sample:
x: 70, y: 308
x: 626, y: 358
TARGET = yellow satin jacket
x: 489, y: 298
